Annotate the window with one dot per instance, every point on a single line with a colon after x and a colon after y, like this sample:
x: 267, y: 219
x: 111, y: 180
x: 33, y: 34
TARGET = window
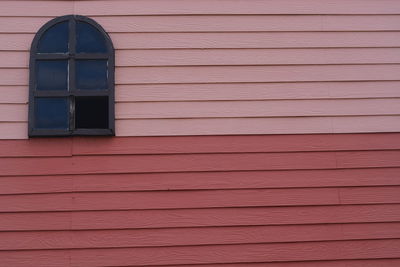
x: 71, y: 85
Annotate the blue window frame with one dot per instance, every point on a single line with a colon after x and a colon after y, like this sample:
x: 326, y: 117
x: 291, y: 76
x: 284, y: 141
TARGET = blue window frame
x: 71, y: 84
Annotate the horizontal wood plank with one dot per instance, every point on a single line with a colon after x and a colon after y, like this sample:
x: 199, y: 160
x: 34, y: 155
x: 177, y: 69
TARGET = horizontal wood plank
x: 204, y: 57
x: 182, y: 199
x: 22, y: 42
x: 198, y: 162
x: 199, y: 199
x: 214, y: 74
x: 192, y: 7
x: 36, y: 8
x: 212, y: 23
x: 207, y: 254
x: 255, y: 91
x: 36, y: 148
x: 241, y: 40
x: 218, y: 74
x: 86, y: 220
x: 154, y: 7
x: 242, y: 109
x: 335, y: 263
x: 13, y: 130
x: 200, y: 181
x: 239, y: 91
x: 232, y: 109
x: 226, y: 126
x: 176, y: 163
x: 236, y: 144
x: 195, y: 236
x: 229, y: 126
x: 13, y: 94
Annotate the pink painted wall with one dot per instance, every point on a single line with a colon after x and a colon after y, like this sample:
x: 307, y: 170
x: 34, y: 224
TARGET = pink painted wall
x: 227, y: 67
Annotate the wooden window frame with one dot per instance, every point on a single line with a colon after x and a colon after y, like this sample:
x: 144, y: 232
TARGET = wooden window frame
x: 71, y: 91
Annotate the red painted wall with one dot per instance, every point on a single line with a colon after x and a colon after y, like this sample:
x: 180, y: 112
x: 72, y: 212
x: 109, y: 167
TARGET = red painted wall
x: 268, y: 200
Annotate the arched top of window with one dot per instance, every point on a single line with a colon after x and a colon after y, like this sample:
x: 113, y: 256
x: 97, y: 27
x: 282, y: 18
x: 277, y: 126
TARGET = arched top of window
x: 71, y: 79
x: 72, y: 34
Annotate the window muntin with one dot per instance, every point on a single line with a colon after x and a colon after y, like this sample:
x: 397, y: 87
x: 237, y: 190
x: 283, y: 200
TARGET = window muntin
x: 71, y: 79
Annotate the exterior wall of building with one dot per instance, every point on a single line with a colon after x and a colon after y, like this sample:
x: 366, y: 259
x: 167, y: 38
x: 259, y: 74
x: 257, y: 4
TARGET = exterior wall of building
x: 308, y: 200
x: 227, y: 67
x: 249, y: 133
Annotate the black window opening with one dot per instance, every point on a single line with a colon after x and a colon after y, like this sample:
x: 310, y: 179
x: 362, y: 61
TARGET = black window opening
x: 71, y: 85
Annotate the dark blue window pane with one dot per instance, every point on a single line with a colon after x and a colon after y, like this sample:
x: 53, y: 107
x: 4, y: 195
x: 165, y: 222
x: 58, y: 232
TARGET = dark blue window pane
x: 55, y: 39
x: 51, y: 113
x: 51, y: 75
x: 91, y: 74
x: 89, y: 39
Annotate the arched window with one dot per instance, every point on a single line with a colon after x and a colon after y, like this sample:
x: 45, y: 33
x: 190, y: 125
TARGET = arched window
x: 71, y: 84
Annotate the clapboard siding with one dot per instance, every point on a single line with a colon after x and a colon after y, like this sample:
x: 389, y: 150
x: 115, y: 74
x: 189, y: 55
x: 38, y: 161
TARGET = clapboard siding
x: 195, y: 236
x: 232, y: 109
x: 235, y: 74
x: 205, y: 57
x: 126, y: 41
x: 147, y: 198
x: 238, y: 91
x: 373, y: 249
x: 193, y: 7
x: 199, y: 199
x: 182, y: 218
x: 199, y: 162
x: 134, y: 182
x: 239, y: 7
x: 217, y: 23
x: 239, y: 126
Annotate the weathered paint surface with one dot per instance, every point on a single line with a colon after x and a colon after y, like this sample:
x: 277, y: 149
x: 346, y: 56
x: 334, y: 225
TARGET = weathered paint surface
x: 266, y: 200
x: 227, y: 67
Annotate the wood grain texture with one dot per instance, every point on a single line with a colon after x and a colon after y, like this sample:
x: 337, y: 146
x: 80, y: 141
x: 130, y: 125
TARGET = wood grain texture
x: 157, y: 7
x: 177, y: 218
x: 213, y: 254
x: 335, y: 263
x: 218, y: 23
x: 239, y: 74
x: 14, y: 94
x: 243, y: 126
x: 199, y: 181
x: 154, y: 7
x: 234, y: 109
x: 207, y: 57
x: 211, y: 57
x: 237, y: 126
x: 238, y: 91
x: 255, y: 91
x: 182, y: 200
x: 242, y: 109
x: 195, y: 236
x: 243, y: 69
x: 199, y: 199
x: 215, y: 74
x: 230, y: 144
x: 239, y: 40
x: 179, y: 163
x: 198, y: 162
x: 22, y: 41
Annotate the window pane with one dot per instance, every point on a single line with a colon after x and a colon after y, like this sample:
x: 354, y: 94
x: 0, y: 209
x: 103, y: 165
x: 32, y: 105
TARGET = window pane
x: 51, y: 74
x: 91, y: 74
x: 51, y: 113
x: 55, y: 39
x: 89, y: 39
x: 91, y: 112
